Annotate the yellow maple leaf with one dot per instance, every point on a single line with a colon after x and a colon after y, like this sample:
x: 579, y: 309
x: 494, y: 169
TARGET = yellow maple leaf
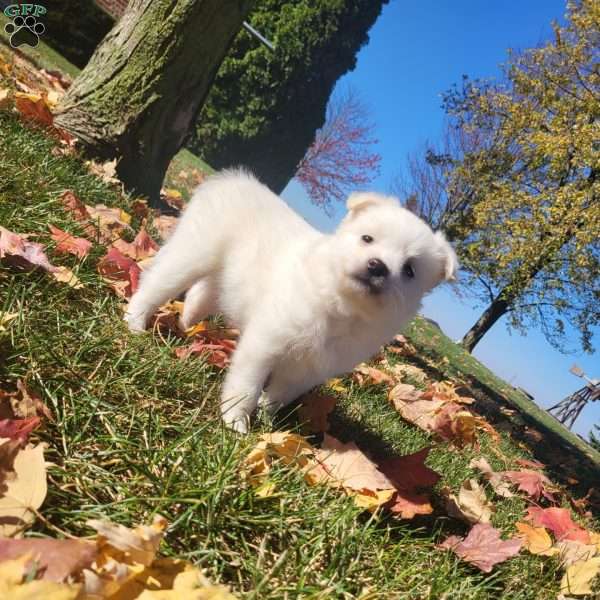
x: 579, y: 575
x: 536, y: 539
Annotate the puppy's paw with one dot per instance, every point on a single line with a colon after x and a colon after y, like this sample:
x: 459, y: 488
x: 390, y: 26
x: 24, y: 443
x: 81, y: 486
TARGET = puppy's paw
x: 238, y: 421
x: 136, y: 323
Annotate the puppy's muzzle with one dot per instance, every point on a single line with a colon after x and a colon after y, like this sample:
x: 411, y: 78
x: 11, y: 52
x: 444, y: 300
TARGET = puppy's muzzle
x: 375, y: 276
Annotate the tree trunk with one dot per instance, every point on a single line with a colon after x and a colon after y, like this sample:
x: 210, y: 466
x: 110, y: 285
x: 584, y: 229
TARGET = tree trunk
x: 140, y: 94
x: 490, y: 315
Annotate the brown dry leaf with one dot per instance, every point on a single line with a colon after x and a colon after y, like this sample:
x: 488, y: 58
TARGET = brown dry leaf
x: 107, y: 171
x: 571, y: 552
x: 34, y: 107
x: 314, y: 411
x: 284, y: 446
x: 5, y: 98
x: 536, y: 539
x: 164, y: 225
x: 365, y: 374
x: 6, y: 318
x: 69, y: 244
x: 56, y: 559
x: 446, y: 391
x: 24, y: 492
x: 402, y: 371
x: 19, y: 252
x: 139, y: 545
x: 22, y: 404
x: 579, y: 575
x: 348, y: 467
x: 78, y: 211
x: 471, y: 505
x: 142, y: 247
x: 112, y: 223
x: 215, y: 351
x: 67, y: 276
x: 15, y: 585
x: 494, y: 478
x: 483, y: 547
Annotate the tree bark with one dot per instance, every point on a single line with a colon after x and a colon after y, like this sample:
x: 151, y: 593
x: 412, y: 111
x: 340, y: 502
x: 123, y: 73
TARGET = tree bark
x: 140, y: 94
x: 490, y: 315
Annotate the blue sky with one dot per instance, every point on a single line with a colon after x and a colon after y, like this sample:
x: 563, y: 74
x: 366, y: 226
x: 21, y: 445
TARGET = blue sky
x: 417, y: 50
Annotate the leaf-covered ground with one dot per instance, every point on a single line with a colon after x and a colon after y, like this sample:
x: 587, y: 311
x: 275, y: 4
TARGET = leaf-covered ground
x: 135, y: 432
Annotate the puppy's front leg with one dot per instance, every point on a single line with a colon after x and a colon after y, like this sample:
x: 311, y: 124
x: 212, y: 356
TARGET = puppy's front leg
x: 252, y: 362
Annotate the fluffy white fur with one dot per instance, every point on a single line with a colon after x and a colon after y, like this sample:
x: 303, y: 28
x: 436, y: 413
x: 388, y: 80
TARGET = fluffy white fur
x: 308, y: 305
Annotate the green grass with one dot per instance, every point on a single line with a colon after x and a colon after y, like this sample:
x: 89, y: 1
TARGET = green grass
x: 136, y: 432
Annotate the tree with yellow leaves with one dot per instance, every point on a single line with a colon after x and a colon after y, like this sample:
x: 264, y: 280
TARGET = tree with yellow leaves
x: 517, y: 185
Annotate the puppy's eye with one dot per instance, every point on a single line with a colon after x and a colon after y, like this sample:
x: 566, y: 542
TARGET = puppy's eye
x: 408, y: 271
x: 367, y: 239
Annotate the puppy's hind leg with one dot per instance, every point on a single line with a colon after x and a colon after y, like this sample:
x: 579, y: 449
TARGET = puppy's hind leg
x: 200, y: 302
x: 173, y: 271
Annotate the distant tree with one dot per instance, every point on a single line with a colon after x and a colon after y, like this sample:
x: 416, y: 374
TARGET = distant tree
x: 595, y: 441
x: 265, y: 106
x: 521, y: 191
x: 140, y: 93
x: 341, y: 157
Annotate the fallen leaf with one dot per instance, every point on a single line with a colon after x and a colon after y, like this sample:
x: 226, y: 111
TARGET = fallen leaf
x: 22, y: 404
x: 336, y: 385
x: 559, y: 522
x: 164, y: 225
x: 33, y: 107
x: 529, y: 464
x: 364, y: 374
x: 19, y: 252
x: 140, y: 544
x: 6, y: 318
x: 410, y: 475
x: 142, y: 247
x: 24, y: 492
x: 446, y: 391
x: 5, y: 98
x: 533, y: 483
x: 483, y: 547
x: 172, y: 198
x: 471, y: 505
x: 579, y: 575
x: 215, y: 351
x: 372, y: 500
x: 284, y: 446
x: 56, y: 559
x: 69, y: 244
x: 571, y: 552
x: 78, y: 211
x: 15, y: 585
x: 107, y: 171
x: 536, y: 539
x: 494, y: 478
x: 18, y: 429
x: 314, y: 411
x: 120, y: 272
x: 402, y: 371
x: 454, y: 423
x: 111, y: 222
x: 348, y: 467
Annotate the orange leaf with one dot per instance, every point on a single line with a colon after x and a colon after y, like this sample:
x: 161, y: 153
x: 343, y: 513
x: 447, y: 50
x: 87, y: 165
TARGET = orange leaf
x: 69, y: 244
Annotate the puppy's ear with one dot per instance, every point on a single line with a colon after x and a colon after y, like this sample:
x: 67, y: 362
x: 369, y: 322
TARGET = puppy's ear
x: 358, y: 201
x: 448, y: 256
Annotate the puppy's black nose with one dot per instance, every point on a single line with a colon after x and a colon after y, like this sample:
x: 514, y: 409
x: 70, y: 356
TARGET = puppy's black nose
x: 377, y: 268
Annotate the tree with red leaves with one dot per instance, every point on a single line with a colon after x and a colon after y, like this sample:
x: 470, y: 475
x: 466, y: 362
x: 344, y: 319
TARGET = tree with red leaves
x: 341, y: 157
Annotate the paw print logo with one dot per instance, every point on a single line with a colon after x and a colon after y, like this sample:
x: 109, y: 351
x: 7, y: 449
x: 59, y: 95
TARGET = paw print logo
x: 24, y: 31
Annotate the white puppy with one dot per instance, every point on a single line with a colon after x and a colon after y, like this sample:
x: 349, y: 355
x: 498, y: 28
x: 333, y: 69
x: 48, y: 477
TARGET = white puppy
x: 309, y: 305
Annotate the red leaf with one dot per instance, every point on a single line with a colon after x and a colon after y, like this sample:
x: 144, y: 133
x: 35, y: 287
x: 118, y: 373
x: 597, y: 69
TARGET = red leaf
x: 558, y: 520
x: 56, y: 558
x: 34, y: 107
x: 410, y: 472
x: 18, y: 429
x: 532, y: 483
x: 217, y: 354
x: 121, y: 272
x: 20, y: 252
x: 69, y: 244
x: 407, y: 504
x: 483, y: 547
